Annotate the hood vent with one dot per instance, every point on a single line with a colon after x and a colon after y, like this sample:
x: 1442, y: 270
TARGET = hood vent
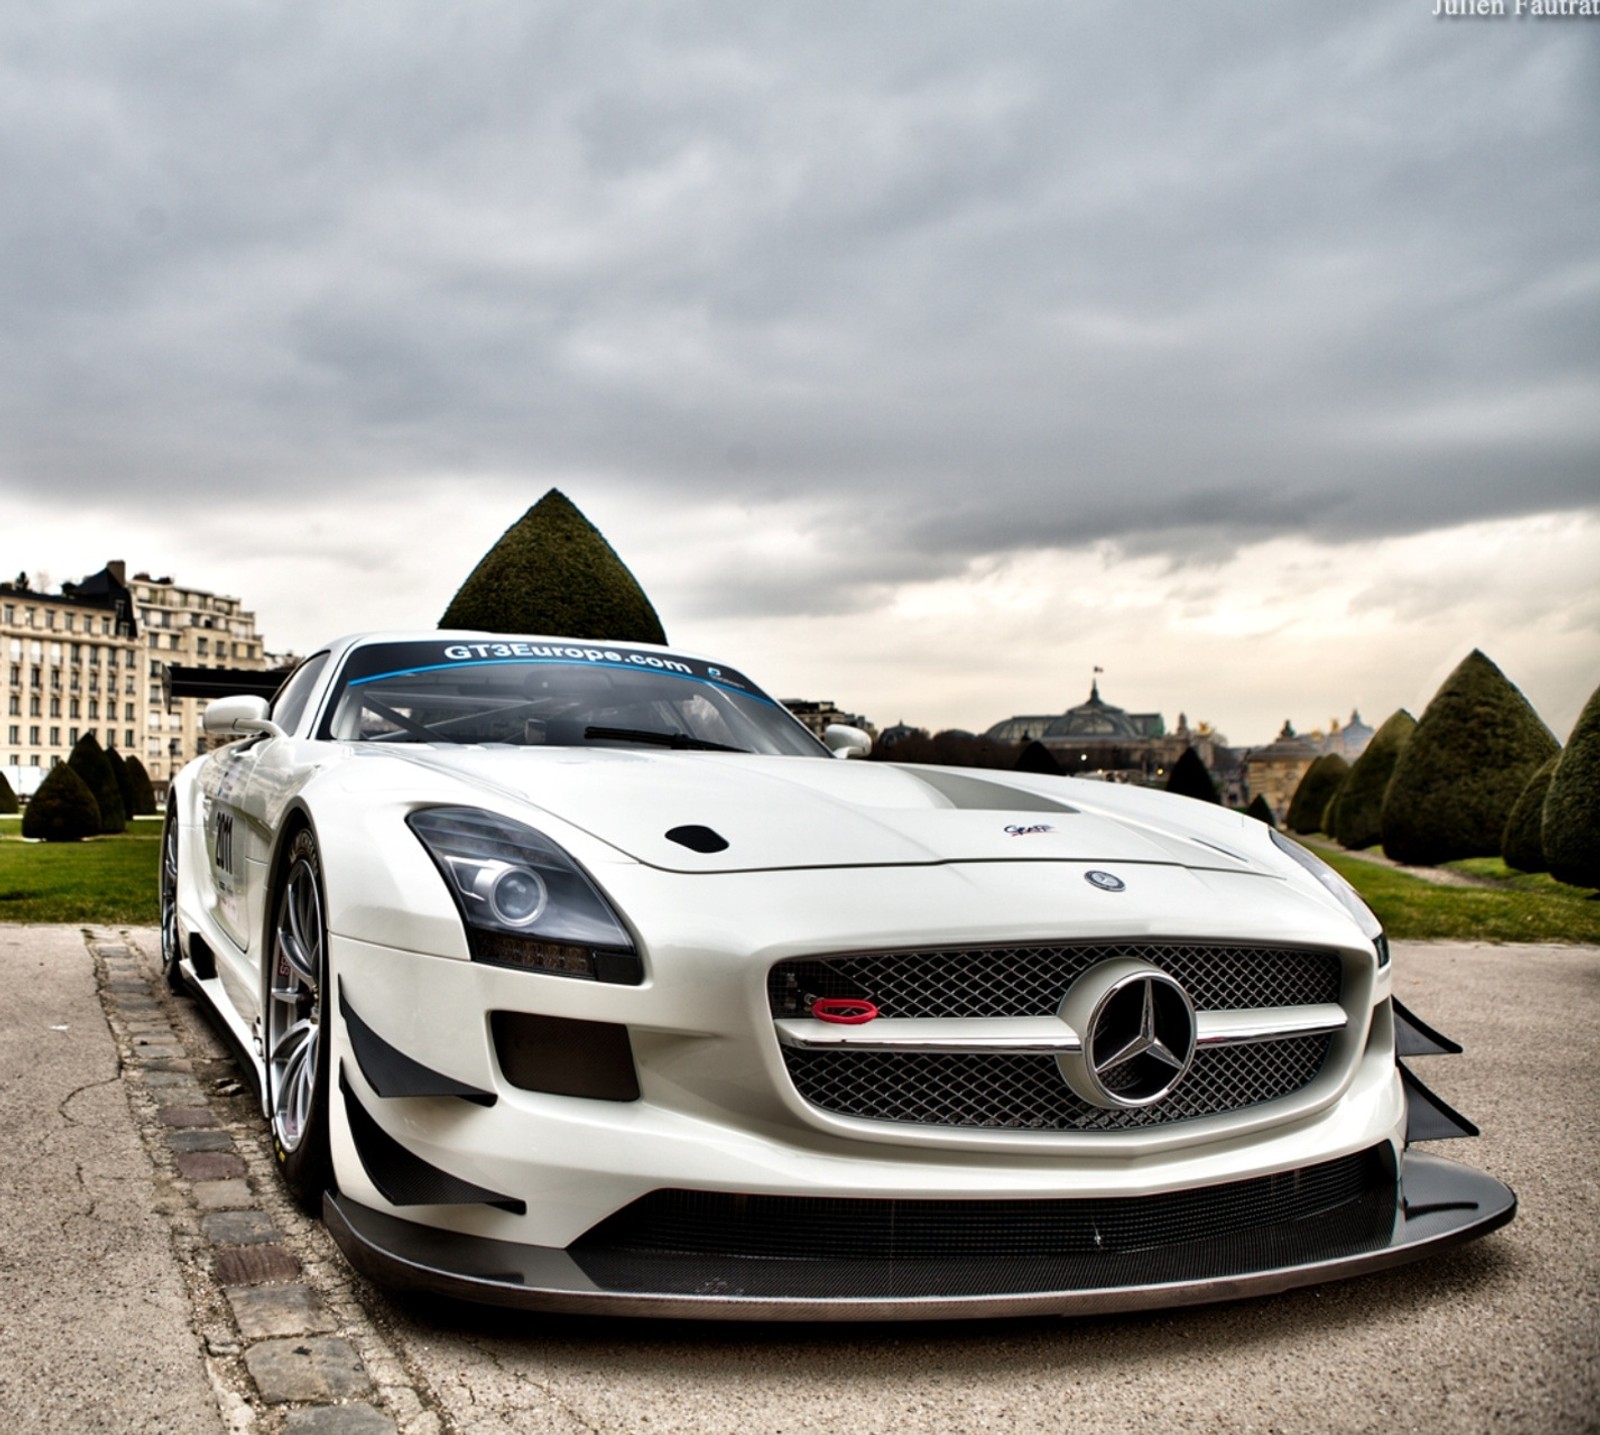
x: 698, y: 839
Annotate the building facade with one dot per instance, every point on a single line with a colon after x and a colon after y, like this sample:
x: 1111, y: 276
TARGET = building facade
x: 187, y: 627
x: 70, y: 663
x: 91, y: 658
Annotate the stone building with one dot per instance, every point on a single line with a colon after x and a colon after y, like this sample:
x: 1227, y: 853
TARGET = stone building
x: 71, y: 664
x: 186, y: 627
x: 1274, y: 771
x: 91, y: 658
x: 1095, y: 736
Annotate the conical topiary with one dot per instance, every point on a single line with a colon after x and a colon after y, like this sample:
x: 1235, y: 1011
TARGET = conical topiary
x: 1317, y: 787
x: 144, y: 798
x: 1458, y: 778
x: 1261, y: 810
x: 1358, y: 808
x: 1571, y: 830
x: 63, y: 809
x: 8, y: 797
x: 88, y: 760
x: 120, y: 774
x: 1036, y: 757
x: 552, y: 572
x: 1189, y: 778
x: 1522, y: 844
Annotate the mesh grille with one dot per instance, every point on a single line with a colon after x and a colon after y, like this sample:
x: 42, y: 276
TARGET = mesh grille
x: 1027, y: 1093
x: 1030, y: 981
x: 720, y: 1243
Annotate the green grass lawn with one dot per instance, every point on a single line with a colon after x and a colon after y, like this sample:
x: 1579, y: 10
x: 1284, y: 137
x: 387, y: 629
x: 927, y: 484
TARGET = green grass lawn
x: 109, y: 880
x: 1523, y: 907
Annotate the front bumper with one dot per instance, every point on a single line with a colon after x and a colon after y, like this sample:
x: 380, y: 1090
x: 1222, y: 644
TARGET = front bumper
x: 1434, y: 1204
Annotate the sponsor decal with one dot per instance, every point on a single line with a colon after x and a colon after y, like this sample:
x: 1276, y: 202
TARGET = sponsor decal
x: 1030, y: 829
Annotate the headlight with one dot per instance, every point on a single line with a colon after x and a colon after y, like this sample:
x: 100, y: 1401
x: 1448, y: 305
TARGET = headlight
x: 1347, y: 895
x: 525, y: 902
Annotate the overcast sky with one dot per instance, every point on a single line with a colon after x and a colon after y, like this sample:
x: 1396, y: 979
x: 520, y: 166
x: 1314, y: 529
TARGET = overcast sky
x: 922, y: 356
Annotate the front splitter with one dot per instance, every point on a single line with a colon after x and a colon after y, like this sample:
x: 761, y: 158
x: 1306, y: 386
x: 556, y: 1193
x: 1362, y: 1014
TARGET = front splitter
x: 1441, y: 1204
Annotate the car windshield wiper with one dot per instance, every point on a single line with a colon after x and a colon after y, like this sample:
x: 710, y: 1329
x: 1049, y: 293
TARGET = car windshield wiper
x: 660, y: 739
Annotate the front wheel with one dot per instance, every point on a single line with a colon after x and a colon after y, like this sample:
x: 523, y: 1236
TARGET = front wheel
x: 171, y: 951
x: 297, y: 1017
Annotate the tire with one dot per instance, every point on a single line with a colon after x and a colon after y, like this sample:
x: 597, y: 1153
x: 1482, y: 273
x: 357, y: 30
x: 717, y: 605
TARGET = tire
x: 171, y: 953
x: 297, y: 1026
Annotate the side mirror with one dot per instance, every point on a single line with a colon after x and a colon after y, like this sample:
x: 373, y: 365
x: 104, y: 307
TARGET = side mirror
x: 844, y: 741
x: 234, y: 717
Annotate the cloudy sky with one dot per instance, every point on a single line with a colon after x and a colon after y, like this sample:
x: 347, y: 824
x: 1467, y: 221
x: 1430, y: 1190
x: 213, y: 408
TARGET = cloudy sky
x: 922, y: 356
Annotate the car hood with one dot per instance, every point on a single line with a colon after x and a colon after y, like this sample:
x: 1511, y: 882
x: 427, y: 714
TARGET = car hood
x: 789, y: 812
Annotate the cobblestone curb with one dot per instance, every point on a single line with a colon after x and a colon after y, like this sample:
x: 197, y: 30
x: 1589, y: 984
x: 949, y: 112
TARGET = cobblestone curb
x: 287, y: 1347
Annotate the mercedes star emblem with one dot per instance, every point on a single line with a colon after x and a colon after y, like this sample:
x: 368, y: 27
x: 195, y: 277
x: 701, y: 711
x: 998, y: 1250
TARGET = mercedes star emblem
x: 1138, y: 1031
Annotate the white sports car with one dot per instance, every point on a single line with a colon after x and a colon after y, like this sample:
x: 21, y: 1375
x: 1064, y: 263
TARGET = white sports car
x: 577, y: 976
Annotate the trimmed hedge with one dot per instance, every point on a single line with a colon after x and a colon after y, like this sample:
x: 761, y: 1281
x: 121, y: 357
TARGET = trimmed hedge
x: 123, y: 779
x: 1261, y: 810
x: 1458, y: 778
x: 1189, y: 778
x: 1522, y: 844
x: 1358, y: 809
x: 1571, y: 827
x: 89, y: 761
x: 63, y: 809
x: 1316, y: 790
x: 8, y: 797
x: 144, y: 797
x: 552, y: 572
x: 1036, y: 757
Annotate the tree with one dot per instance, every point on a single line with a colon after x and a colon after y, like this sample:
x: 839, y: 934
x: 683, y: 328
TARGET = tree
x: 1358, y: 808
x: 89, y: 761
x: 552, y: 572
x: 1571, y: 827
x: 1189, y: 778
x: 63, y: 809
x: 1454, y: 785
x: 8, y: 797
x: 1522, y: 843
x: 1261, y: 810
x: 144, y: 798
x: 123, y: 778
x: 1316, y: 790
x: 1036, y: 757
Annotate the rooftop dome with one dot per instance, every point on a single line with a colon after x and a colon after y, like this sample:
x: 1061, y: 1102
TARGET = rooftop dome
x: 1095, y: 719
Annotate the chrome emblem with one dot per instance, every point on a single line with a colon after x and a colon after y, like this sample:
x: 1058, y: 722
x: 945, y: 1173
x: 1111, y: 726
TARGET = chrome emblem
x: 1105, y: 881
x: 1138, y: 1030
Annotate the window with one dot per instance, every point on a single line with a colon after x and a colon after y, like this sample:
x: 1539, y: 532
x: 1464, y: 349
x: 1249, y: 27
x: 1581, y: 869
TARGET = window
x: 72, y: 621
x: 127, y: 712
x: 73, y: 708
x: 55, y: 737
x: 49, y: 617
x: 127, y: 739
x: 72, y: 736
x: 292, y: 697
x: 35, y: 677
x: 33, y: 736
x: 15, y: 734
x: 33, y: 706
x: 55, y: 707
x: 15, y: 705
x: 94, y: 708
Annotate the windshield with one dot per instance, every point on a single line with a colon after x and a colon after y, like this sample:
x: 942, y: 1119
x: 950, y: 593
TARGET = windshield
x: 536, y: 694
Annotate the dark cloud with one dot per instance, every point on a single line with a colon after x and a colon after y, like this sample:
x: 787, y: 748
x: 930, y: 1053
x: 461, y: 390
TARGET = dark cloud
x: 970, y: 278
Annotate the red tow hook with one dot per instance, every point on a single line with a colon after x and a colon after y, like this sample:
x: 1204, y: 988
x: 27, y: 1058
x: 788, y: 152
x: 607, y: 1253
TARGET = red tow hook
x: 844, y: 1011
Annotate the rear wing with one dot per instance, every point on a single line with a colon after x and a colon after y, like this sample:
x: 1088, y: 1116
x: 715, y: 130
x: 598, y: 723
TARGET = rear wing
x: 178, y: 681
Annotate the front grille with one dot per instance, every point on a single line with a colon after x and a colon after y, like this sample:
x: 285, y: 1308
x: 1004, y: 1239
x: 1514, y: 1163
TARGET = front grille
x: 1027, y: 1093
x: 710, y: 1243
x: 1030, y: 981
x: 1006, y: 1092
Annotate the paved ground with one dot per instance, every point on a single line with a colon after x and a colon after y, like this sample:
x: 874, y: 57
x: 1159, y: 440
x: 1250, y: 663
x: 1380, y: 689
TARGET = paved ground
x: 121, y: 1315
